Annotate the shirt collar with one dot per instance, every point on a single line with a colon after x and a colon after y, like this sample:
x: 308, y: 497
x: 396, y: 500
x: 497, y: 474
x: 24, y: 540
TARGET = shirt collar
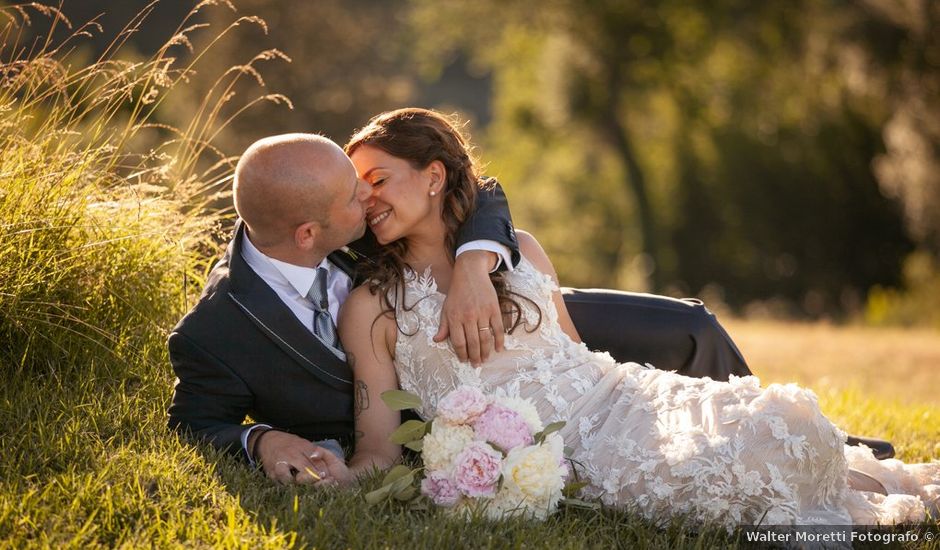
x: 299, y: 277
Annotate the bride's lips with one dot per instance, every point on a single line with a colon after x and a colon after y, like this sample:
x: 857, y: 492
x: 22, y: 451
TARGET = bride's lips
x: 376, y: 219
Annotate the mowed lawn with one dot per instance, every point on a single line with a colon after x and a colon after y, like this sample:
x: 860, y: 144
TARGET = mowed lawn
x: 87, y: 462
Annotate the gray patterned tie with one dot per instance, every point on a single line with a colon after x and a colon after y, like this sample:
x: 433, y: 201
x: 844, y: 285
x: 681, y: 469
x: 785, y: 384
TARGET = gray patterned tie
x: 322, y: 321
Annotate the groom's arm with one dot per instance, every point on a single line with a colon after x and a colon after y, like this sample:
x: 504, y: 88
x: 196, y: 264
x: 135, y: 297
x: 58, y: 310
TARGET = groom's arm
x: 209, y: 401
x: 470, y: 315
x: 490, y: 222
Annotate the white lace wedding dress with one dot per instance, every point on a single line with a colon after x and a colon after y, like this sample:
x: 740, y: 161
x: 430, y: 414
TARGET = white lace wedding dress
x: 664, y: 444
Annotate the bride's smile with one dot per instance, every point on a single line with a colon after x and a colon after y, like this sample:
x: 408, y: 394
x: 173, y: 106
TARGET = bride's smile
x: 379, y: 218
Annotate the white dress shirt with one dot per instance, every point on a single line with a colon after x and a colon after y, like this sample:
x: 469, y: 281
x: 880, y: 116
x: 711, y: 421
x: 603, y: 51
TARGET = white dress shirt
x: 292, y: 282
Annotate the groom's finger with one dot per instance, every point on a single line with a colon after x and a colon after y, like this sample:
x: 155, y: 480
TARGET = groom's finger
x: 444, y: 331
x: 486, y: 343
x: 499, y: 334
x: 311, y: 473
x: 458, y: 341
x: 282, y: 472
x: 472, y: 333
x: 312, y: 469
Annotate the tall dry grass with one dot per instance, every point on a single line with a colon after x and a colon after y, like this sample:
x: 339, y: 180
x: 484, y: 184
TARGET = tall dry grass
x: 107, y: 227
x: 104, y: 211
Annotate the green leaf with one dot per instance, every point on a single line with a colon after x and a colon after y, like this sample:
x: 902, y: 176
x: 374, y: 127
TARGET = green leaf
x: 409, y: 431
x: 395, y: 474
x: 394, y: 485
x: 399, y: 400
x: 551, y: 428
x: 401, y: 485
x: 379, y: 495
x: 416, y: 446
x: 406, y: 494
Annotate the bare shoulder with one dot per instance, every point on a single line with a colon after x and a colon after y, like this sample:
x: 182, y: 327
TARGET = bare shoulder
x: 364, y: 327
x: 530, y: 248
x: 362, y: 306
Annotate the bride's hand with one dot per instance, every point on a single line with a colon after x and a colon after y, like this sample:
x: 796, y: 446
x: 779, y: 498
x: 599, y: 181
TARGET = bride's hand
x: 333, y: 469
x: 470, y: 314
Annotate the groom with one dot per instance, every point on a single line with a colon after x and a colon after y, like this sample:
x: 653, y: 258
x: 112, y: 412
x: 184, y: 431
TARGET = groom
x: 261, y: 341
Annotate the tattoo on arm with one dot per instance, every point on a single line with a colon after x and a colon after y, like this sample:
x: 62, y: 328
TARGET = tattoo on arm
x: 361, y: 401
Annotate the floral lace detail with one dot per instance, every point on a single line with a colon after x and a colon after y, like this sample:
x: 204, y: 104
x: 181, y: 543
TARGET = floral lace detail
x: 652, y: 440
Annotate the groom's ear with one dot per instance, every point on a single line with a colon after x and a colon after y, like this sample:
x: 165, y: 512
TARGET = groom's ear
x: 305, y: 236
x: 437, y: 173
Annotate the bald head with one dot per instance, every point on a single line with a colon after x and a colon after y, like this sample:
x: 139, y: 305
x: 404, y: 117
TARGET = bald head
x: 286, y: 180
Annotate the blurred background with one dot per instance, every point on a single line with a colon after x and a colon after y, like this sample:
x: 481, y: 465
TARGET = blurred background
x: 777, y: 159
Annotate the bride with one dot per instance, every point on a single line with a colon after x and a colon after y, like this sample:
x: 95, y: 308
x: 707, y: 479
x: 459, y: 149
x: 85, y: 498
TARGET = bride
x: 651, y: 440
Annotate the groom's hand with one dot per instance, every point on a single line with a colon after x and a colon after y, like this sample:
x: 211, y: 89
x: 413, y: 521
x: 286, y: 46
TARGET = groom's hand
x: 287, y: 458
x: 470, y: 314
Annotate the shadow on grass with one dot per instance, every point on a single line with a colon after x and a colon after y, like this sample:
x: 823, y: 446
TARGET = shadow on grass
x: 332, y: 518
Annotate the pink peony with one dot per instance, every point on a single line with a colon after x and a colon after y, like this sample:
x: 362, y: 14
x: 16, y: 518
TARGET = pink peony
x: 462, y: 405
x: 440, y: 488
x: 477, y: 469
x: 503, y: 427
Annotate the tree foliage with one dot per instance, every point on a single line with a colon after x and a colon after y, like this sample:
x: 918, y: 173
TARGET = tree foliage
x: 724, y: 142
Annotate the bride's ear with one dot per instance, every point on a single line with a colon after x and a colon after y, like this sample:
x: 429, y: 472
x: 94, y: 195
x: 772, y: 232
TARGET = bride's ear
x: 437, y: 175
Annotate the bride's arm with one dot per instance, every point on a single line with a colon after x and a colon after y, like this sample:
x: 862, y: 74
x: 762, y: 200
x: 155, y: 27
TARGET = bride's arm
x: 367, y: 338
x: 532, y: 250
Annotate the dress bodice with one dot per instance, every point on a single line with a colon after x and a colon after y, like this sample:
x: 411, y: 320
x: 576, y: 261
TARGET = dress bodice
x: 538, y: 356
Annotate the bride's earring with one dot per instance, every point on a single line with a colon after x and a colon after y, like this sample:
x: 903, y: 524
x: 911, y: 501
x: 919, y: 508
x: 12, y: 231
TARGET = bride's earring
x: 432, y: 193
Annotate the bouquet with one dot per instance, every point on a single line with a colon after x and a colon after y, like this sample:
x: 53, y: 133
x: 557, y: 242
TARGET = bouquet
x: 480, y: 452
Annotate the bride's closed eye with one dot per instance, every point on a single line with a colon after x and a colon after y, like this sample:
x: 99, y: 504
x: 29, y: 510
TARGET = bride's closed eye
x: 378, y: 182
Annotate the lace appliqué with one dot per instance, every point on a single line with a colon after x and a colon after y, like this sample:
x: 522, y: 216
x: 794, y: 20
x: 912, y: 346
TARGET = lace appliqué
x: 662, y: 444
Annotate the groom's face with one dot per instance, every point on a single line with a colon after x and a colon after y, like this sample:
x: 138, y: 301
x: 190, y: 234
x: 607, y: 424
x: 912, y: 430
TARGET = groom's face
x: 347, y: 212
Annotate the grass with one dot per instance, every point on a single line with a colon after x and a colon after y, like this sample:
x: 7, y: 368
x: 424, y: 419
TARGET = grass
x: 104, y: 239
x: 89, y: 463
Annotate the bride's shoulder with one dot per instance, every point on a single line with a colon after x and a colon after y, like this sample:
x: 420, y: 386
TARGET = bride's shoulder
x: 531, y: 250
x: 527, y: 243
x: 361, y: 304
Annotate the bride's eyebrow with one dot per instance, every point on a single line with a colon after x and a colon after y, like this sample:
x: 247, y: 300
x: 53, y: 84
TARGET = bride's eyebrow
x: 373, y: 169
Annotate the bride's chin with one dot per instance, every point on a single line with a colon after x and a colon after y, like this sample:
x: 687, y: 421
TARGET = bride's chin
x: 384, y: 239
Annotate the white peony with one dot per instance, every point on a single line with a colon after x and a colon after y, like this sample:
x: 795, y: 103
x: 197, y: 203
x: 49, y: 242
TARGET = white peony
x: 443, y: 444
x: 508, y: 502
x: 526, y: 409
x: 537, y: 472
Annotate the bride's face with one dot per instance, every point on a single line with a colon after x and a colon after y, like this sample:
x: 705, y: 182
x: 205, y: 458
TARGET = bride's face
x: 401, y: 194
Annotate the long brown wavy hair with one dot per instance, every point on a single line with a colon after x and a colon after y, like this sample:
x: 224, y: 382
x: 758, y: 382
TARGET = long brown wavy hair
x: 422, y: 136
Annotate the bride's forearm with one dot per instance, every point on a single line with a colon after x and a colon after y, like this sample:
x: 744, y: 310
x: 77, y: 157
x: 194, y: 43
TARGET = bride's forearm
x: 364, y: 462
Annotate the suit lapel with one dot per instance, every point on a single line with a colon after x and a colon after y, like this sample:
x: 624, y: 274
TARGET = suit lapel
x: 266, y: 310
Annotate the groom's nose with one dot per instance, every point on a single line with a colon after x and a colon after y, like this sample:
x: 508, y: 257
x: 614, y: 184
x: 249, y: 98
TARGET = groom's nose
x: 364, y: 193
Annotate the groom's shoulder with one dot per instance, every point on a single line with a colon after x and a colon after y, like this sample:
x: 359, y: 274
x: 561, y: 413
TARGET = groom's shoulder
x: 213, y: 305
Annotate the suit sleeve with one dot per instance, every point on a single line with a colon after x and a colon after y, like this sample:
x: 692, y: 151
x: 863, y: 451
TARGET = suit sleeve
x: 209, y: 401
x: 491, y: 221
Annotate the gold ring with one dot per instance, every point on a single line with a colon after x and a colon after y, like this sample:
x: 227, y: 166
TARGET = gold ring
x: 486, y: 328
